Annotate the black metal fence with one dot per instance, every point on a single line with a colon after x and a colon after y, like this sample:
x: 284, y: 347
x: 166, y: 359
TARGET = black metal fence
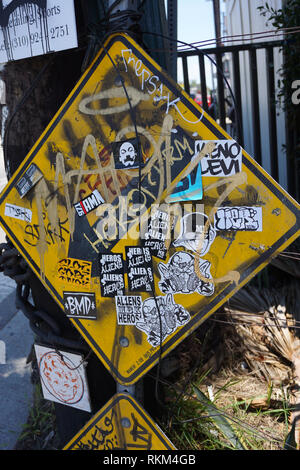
x: 222, y: 96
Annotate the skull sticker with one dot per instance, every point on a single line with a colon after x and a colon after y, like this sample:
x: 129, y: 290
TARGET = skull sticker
x: 125, y: 154
x: 161, y: 317
x: 178, y: 276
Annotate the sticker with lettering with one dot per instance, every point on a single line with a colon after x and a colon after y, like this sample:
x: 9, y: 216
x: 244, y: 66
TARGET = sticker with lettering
x: 111, y: 274
x: 75, y: 271
x: 16, y: 212
x: 239, y: 218
x: 128, y: 309
x: 224, y: 160
x: 160, y: 228
x: 89, y: 203
x: 31, y: 176
x: 80, y: 305
x: 139, y: 269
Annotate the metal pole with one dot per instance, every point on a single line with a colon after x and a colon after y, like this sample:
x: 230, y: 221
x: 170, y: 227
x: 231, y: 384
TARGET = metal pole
x: 172, y: 26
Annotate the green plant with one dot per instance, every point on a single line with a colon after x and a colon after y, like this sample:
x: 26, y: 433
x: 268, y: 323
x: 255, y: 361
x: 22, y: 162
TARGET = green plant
x: 39, y: 430
x: 287, y: 17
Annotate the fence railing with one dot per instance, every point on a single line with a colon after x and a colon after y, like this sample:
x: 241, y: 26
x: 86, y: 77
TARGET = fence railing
x: 260, y: 126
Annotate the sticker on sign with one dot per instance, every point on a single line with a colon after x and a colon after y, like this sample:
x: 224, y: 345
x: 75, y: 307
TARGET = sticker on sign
x: 35, y: 28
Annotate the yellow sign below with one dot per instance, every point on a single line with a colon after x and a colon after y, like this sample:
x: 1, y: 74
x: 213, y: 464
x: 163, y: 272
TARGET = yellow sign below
x: 139, y: 214
x: 122, y: 424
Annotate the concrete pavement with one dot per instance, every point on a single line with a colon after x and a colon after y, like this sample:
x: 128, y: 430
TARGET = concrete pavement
x: 16, y: 338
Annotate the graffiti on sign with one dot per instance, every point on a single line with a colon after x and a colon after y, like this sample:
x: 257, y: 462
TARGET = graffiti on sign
x: 173, y: 152
x: 122, y: 424
x: 52, y: 235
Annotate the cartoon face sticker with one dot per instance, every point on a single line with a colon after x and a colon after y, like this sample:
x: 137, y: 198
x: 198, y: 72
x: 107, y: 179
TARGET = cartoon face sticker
x: 179, y: 276
x: 161, y: 317
x: 127, y: 154
x: 196, y: 233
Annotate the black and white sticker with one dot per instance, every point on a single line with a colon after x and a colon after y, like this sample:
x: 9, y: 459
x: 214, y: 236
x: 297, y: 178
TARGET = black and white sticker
x: 16, y: 212
x: 179, y: 276
x: 160, y: 228
x: 126, y: 154
x: 139, y: 269
x: 129, y: 309
x: 239, y: 218
x: 111, y: 274
x: 224, y: 160
x: 89, y: 203
x: 31, y: 176
x: 161, y: 317
x: 80, y: 305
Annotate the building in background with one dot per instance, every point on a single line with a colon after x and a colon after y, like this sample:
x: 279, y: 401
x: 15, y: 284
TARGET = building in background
x: 242, y: 17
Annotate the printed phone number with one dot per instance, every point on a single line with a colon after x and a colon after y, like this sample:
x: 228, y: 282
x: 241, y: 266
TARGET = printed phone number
x: 24, y: 41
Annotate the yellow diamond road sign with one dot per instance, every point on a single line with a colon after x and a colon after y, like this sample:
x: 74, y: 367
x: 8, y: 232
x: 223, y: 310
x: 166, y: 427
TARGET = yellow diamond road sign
x: 139, y: 214
x: 122, y: 424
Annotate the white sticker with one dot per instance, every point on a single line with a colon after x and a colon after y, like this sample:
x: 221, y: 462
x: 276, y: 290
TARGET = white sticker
x: 224, y: 160
x: 63, y: 377
x: 161, y: 316
x: 178, y: 276
x: 128, y: 309
x: 241, y: 218
x: 30, y: 29
x: 17, y: 212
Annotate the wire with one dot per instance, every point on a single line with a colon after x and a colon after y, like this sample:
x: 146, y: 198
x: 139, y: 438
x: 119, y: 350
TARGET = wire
x: 237, y: 37
x: 268, y: 36
x: 140, y: 192
x: 297, y: 258
x: 216, y: 65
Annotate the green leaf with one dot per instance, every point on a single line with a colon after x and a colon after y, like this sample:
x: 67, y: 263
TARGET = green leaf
x: 219, y: 420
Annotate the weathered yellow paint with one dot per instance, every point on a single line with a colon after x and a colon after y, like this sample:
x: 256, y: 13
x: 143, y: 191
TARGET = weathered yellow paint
x: 75, y: 157
x: 122, y: 424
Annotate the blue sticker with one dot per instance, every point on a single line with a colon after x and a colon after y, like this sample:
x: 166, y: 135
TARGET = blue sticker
x: 189, y: 188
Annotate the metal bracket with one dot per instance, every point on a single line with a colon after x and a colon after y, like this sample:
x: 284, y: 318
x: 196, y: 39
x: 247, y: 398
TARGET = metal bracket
x: 130, y: 389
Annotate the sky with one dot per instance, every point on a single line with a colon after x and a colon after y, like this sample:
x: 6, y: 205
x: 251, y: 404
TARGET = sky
x: 195, y: 23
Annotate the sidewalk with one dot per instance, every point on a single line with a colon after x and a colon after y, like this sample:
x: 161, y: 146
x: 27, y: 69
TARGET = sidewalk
x: 16, y: 339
